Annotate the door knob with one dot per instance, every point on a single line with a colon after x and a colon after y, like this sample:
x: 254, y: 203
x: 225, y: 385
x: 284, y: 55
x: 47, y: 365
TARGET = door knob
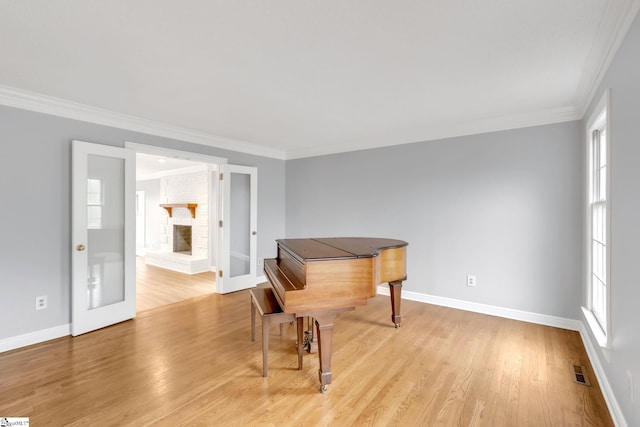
x: 254, y: 233
x: 80, y: 248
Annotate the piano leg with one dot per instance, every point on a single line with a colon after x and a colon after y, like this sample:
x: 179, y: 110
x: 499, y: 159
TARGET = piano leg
x: 395, y: 291
x: 325, y: 343
x: 324, y: 323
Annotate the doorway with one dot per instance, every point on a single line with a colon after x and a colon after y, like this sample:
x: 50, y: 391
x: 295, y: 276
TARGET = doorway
x: 173, y: 261
x: 103, y: 194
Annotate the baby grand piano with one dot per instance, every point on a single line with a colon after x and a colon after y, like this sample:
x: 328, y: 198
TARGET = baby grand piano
x: 321, y: 278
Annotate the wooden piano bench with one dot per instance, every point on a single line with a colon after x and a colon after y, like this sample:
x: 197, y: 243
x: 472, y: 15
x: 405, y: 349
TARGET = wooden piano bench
x: 263, y: 299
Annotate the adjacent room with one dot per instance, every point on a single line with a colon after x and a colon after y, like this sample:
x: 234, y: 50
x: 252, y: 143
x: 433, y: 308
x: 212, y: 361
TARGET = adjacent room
x: 173, y: 257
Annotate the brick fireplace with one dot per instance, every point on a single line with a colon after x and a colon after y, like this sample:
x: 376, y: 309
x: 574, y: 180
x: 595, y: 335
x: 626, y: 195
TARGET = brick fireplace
x: 184, y: 228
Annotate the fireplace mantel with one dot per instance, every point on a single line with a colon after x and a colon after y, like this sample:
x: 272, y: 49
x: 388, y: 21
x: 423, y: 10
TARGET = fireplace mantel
x: 169, y: 207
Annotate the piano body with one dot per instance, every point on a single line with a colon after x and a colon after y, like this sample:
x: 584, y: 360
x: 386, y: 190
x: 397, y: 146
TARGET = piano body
x: 321, y: 278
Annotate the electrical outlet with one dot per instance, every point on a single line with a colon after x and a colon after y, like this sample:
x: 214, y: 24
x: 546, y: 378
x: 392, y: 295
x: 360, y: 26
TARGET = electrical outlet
x: 471, y: 281
x: 41, y: 302
x: 630, y: 385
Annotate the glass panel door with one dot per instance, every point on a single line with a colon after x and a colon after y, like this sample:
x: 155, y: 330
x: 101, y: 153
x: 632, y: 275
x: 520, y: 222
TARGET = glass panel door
x: 240, y: 224
x: 103, y: 253
x: 238, y: 233
x: 105, y: 231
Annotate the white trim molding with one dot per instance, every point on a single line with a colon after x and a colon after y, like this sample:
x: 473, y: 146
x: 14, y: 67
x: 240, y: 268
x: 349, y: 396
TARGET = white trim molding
x: 601, y: 116
x: 31, y: 101
x: 35, y: 337
x: 605, y: 387
x: 19, y: 98
x: 492, y: 310
x: 435, y: 132
x: 616, y: 22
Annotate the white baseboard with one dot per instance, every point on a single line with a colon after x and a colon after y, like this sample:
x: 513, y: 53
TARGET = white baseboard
x: 541, y: 319
x: 525, y: 316
x: 181, y: 263
x: 607, y: 391
x: 34, y: 337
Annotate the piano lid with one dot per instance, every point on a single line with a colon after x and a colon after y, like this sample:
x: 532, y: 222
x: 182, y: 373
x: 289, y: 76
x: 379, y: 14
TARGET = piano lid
x: 338, y: 247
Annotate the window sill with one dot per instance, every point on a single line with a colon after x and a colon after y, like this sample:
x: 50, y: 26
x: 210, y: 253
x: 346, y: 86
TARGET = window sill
x: 596, y: 330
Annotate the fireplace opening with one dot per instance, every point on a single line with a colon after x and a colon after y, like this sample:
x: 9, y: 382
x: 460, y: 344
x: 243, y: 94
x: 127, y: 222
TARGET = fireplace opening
x: 182, y: 239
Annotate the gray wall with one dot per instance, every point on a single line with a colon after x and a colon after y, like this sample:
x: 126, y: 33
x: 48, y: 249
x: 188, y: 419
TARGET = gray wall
x: 35, y: 175
x: 623, y: 79
x: 504, y: 206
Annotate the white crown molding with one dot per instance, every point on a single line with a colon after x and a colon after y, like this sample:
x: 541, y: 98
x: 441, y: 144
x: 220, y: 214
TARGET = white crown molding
x: 472, y: 127
x: 18, y: 98
x: 614, y: 27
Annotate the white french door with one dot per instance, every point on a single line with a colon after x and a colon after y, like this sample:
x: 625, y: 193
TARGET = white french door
x: 103, y: 236
x: 238, y: 220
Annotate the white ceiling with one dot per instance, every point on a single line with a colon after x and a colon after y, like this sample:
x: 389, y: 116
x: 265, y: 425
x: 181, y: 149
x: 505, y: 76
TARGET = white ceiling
x: 149, y: 166
x: 293, y: 78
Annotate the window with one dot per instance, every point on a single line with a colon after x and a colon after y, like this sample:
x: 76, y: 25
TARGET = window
x: 94, y: 203
x: 598, y: 140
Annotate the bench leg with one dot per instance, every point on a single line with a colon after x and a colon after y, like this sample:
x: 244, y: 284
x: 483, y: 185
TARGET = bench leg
x: 265, y: 343
x: 300, y: 321
x: 253, y: 320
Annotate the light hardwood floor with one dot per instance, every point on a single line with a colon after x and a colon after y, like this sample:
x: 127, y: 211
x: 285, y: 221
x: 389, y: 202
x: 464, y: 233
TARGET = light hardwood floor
x: 193, y: 363
x: 157, y: 286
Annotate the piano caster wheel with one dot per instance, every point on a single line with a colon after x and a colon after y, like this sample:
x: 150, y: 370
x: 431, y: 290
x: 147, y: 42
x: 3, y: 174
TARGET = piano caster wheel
x: 324, y: 388
x: 397, y: 325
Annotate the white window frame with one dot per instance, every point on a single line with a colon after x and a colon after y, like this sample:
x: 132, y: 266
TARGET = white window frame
x: 600, y: 120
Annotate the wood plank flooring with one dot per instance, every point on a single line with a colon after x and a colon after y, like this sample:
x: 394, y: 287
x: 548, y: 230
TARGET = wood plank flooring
x: 193, y: 363
x: 157, y: 286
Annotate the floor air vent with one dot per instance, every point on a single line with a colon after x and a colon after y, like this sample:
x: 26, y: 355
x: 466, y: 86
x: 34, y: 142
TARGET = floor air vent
x: 580, y: 374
